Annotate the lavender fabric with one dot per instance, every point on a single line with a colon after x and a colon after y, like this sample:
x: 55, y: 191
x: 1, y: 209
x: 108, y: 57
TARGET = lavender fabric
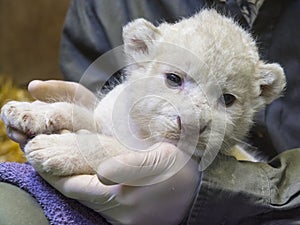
x: 59, y: 209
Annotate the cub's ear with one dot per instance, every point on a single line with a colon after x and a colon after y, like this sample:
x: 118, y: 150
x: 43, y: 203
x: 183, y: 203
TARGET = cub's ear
x: 272, y: 81
x: 138, y: 36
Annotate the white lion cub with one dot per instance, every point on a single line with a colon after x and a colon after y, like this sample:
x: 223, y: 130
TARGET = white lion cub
x: 196, y: 84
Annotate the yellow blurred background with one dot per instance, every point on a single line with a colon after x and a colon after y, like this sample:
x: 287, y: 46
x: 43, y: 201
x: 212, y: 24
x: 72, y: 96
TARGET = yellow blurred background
x: 30, y: 32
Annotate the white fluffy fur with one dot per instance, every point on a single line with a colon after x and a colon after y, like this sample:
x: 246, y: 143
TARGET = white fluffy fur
x: 211, y: 53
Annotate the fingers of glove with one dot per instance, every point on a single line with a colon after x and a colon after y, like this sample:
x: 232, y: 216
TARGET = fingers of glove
x: 168, y: 200
x: 56, y: 90
x: 110, y: 201
x: 134, y: 205
x: 85, y: 188
x: 143, y: 168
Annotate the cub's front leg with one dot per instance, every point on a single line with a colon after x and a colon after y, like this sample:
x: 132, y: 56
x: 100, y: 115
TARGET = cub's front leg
x: 71, y: 153
x: 40, y: 118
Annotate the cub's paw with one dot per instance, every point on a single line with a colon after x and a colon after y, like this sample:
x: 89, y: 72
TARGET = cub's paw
x: 30, y: 118
x: 57, y: 154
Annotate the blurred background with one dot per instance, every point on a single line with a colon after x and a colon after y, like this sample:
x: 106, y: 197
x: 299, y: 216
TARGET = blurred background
x: 30, y: 33
x: 29, y: 38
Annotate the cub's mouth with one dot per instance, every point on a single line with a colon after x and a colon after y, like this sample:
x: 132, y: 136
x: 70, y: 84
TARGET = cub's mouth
x: 202, y: 128
x: 179, y: 122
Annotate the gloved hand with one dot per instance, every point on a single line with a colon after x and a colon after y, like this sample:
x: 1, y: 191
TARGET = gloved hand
x: 159, y: 198
x: 165, y: 202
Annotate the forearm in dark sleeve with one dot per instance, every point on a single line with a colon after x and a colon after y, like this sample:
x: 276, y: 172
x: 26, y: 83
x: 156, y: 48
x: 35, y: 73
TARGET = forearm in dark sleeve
x: 234, y: 192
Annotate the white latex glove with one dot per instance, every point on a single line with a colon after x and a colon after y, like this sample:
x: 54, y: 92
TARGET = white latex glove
x: 166, y: 202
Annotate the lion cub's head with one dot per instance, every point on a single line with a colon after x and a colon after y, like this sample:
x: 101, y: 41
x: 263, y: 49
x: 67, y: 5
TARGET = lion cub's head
x: 200, y: 77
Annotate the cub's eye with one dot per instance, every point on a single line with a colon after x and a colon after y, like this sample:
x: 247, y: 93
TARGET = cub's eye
x: 228, y: 99
x: 173, y: 80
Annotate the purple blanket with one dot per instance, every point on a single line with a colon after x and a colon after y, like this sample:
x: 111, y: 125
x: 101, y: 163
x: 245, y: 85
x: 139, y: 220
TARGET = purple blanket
x: 58, y: 209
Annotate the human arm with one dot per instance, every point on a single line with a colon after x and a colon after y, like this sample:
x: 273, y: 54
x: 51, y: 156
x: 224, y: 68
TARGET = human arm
x: 240, y: 192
